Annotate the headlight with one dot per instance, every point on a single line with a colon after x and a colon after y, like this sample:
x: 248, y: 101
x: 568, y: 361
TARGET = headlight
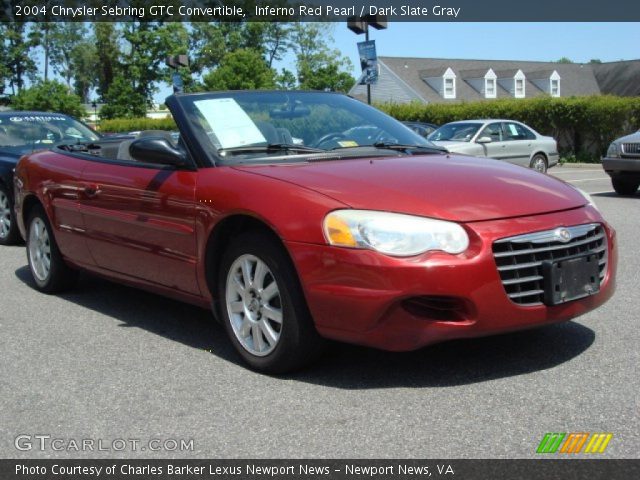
x: 393, y: 233
x: 613, y: 151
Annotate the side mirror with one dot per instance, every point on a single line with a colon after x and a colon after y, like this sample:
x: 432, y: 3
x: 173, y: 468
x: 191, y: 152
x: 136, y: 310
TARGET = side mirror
x: 157, y: 150
x: 484, y: 140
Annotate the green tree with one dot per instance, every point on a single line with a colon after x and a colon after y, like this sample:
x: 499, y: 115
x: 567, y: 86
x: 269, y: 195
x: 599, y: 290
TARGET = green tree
x: 564, y: 60
x: 243, y: 69
x: 147, y: 46
x: 83, y: 65
x: 107, y: 53
x: 318, y: 66
x: 122, y: 101
x: 328, y: 77
x: 210, y: 42
x: 595, y: 60
x: 18, y: 64
x: 286, y: 80
x: 276, y: 40
x: 64, y: 40
x: 49, y: 96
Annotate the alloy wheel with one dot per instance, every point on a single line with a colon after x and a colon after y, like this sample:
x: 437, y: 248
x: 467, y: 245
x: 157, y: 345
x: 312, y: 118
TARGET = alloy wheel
x: 254, y: 305
x: 539, y: 164
x: 5, y: 215
x: 39, y: 250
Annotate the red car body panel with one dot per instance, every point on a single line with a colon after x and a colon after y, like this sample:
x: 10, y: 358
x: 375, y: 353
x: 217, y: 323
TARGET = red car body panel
x: 458, y: 188
x: 150, y: 227
x: 357, y: 296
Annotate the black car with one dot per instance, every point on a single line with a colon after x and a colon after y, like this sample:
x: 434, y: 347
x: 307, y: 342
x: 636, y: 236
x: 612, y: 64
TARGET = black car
x: 22, y: 133
x: 422, y: 128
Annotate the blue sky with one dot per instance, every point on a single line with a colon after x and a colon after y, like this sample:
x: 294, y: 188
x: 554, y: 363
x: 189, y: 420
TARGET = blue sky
x: 492, y: 41
x: 500, y: 41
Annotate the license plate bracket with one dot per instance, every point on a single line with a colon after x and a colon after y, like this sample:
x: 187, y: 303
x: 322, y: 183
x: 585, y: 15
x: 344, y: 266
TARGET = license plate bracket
x: 571, y: 278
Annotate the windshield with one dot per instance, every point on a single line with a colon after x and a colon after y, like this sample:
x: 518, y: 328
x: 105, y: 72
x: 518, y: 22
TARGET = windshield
x: 237, y: 126
x: 42, y: 130
x: 455, y: 132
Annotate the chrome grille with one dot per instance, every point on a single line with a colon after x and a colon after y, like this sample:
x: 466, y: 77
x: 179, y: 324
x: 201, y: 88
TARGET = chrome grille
x: 631, y: 149
x: 519, y: 259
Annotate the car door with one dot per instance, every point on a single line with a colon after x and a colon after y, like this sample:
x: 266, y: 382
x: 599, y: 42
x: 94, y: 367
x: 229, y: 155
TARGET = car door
x: 519, y: 144
x: 65, y: 191
x: 496, y: 148
x: 140, y: 221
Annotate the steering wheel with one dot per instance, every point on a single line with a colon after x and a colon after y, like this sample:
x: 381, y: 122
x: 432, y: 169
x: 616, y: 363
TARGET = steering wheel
x: 328, y: 137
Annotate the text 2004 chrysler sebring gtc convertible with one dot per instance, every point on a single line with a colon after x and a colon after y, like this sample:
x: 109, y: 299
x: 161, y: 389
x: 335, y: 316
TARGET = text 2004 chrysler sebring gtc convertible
x: 302, y: 216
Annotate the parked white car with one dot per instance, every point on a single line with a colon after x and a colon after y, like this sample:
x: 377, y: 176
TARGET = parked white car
x: 506, y: 140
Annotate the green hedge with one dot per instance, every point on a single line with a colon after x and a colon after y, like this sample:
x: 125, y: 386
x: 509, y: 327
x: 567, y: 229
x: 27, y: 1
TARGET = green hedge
x: 583, y: 126
x: 124, y: 125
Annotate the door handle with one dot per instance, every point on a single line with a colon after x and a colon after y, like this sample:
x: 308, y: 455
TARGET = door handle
x: 91, y: 191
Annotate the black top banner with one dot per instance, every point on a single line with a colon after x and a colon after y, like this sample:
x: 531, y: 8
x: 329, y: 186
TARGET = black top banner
x: 317, y: 10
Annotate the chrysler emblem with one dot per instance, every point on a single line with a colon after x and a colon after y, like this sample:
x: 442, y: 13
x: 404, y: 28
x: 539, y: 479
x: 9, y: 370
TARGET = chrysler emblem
x: 562, y: 234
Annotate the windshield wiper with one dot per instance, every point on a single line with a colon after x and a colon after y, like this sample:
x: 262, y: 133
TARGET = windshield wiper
x: 400, y: 146
x: 272, y: 147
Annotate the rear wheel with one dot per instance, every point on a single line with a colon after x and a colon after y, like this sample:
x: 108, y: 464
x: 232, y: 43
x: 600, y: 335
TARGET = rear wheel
x: 539, y: 163
x: 49, y: 271
x: 9, y: 233
x: 624, y: 187
x: 263, y: 306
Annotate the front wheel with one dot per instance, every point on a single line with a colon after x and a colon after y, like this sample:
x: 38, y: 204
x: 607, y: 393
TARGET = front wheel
x: 9, y: 233
x: 624, y: 187
x: 49, y: 271
x: 263, y: 306
x: 539, y: 163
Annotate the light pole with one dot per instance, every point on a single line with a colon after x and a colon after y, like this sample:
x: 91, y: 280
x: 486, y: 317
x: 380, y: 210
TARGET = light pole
x: 94, y: 105
x: 360, y: 25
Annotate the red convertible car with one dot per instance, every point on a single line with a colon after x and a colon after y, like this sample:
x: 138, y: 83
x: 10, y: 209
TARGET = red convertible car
x: 272, y: 211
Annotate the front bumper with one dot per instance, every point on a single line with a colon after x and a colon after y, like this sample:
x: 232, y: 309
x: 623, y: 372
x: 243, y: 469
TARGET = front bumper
x: 620, y: 166
x: 360, y: 296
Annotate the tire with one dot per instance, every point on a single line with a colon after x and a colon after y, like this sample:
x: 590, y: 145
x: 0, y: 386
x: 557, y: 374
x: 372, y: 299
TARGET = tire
x: 49, y: 271
x: 9, y: 233
x: 539, y: 163
x: 263, y: 308
x: 624, y: 187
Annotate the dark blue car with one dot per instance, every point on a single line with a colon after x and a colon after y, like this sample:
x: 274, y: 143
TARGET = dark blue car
x: 22, y: 133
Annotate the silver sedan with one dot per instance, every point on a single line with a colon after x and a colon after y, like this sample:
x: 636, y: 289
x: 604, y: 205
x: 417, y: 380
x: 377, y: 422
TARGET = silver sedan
x: 506, y: 140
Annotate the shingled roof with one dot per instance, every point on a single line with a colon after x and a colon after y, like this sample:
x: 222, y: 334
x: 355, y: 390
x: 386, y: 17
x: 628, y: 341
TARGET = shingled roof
x: 408, y: 75
x: 619, y: 78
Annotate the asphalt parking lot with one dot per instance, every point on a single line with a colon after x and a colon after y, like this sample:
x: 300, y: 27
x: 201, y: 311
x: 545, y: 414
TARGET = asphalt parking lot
x: 108, y: 362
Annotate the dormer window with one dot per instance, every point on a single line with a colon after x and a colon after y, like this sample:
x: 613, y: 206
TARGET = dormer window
x: 490, y: 84
x: 519, y: 90
x: 513, y: 81
x: 490, y: 87
x: 546, y: 80
x: 449, y: 84
x: 449, y: 88
x: 442, y: 80
x: 554, y: 84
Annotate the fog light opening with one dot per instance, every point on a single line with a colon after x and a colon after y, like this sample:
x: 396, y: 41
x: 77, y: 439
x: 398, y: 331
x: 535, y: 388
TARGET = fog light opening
x: 439, y: 308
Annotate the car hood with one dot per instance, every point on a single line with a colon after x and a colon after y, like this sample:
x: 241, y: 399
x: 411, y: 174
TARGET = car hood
x: 634, y: 137
x: 15, y: 153
x: 457, y: 188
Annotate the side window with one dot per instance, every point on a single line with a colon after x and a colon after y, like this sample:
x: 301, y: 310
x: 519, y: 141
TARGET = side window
x: 514, y: 131
x: 493, y: 131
